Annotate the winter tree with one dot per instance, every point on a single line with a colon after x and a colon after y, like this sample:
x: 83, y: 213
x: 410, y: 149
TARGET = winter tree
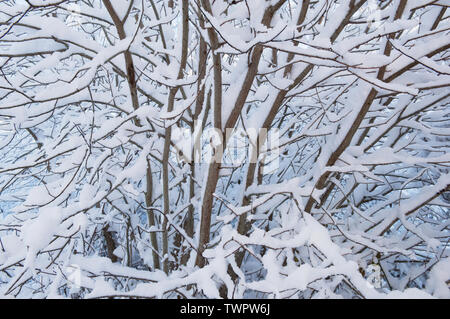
x: 224, y: 148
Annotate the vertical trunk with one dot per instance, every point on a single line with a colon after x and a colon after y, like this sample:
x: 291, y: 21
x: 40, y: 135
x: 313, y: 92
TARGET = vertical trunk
x: 213, y: 169
x: 151, y: 217
x: 212, y: 174
x: 202, y: 60
x: 171, y: 100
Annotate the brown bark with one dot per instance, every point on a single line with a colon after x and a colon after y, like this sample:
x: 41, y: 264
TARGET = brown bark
x: 212, y: 175
x: 170, y: 104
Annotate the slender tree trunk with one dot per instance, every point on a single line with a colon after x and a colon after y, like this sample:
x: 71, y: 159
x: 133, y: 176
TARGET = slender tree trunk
x: 170, y: 104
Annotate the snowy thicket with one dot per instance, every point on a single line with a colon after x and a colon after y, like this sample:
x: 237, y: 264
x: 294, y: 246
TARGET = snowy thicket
x: 224, y: 148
